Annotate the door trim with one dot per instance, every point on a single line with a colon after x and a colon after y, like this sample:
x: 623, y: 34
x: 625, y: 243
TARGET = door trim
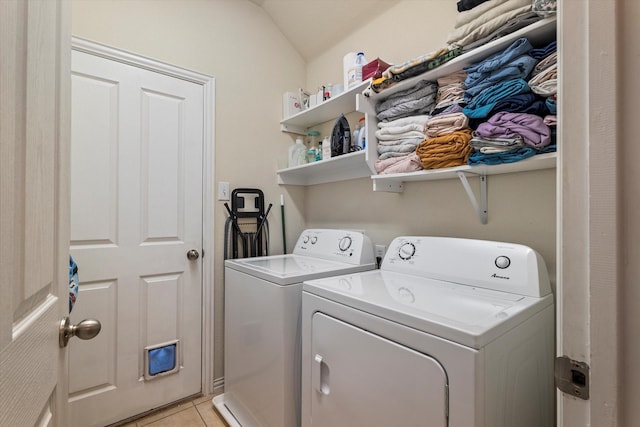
x: 208, y: 84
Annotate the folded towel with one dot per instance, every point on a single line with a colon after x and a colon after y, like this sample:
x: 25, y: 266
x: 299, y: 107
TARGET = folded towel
x: 518, y: 68
x: 545, y: 63
x: 479, y: 142
x: 420, y: 90
x: 507, y: 125
x: 446, y: 123
x: 546, y: 82
x: 414, y: 134
x: 464, y: 36
x: 417, y: 119
x: 399, y: 130
x: 478, y: 158
x: 496, y: 61
x: 486, y: 100
x: 402, y: 164
x: 445, y: 151
x: 409, y: 108
x: 542, y: 52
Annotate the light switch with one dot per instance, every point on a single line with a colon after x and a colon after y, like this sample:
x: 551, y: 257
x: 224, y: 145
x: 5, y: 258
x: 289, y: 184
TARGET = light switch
x: 223, y: 191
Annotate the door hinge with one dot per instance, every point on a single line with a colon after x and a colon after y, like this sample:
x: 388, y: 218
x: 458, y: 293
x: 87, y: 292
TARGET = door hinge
x: 572, y: 377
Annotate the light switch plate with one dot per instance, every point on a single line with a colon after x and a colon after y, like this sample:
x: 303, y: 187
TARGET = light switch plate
x: 223, y: 191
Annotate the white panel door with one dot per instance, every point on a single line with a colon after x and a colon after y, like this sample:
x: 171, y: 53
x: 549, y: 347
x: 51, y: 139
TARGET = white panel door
x: 136, y: 210
x: 34, y: 216
x: 360, y: 379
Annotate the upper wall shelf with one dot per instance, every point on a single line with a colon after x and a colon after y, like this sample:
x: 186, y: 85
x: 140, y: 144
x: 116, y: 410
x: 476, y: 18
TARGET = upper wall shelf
x: 538, y: 33
x: 323, y: 112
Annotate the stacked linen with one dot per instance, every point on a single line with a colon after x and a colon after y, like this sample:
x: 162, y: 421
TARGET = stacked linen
x: 490, y: 20
x: 447, y: 143
x: 544, y: 81
x: 413, y: 67
x: 416, y: 100
x: 511, y: 63
x: 450, y: 91
x: 397, y: 142
x: 507, y: 115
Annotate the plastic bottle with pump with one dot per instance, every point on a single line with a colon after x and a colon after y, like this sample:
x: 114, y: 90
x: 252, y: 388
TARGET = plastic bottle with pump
x: 297, y: 153
x: 354, y: 75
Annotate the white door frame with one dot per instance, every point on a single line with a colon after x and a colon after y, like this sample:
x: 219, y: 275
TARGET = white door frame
x: 208, y: 84
x: 589, y: 241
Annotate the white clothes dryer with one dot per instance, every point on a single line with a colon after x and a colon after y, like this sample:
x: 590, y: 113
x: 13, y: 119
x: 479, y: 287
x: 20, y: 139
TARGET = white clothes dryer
x: 263, y: 298
x: 449, y: 332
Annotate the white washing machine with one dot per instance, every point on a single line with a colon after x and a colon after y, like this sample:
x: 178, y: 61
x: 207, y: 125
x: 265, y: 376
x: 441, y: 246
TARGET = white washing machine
x: 263, y: 299
x: 449, y: 332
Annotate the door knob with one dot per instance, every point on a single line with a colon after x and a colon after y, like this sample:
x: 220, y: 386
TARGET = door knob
x: 84, y: 330
x: 192, y: 255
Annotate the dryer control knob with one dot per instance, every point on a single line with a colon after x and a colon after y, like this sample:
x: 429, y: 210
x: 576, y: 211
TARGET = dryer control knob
x: 503, y: 262
x: 406, y: 251
x: 344, y: 243
x: 314, y: 239
x: 305, y: 239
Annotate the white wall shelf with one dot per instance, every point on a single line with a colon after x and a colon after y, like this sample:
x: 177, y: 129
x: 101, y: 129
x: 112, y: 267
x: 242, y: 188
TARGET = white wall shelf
x: 340, y: 168
x: 328, y: 110
x: 393, y: 182
x: 539, y: 33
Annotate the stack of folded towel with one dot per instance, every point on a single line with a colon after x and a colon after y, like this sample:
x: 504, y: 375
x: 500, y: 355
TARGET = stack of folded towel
x: 489, y: 20
x: 509, y: 137
x: 450, y: 91
x: 397, y: 142
x: 416, y: 100
x: 544, y: 83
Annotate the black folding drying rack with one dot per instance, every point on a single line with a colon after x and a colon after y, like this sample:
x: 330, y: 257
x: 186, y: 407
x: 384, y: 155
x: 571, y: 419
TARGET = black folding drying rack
x: 246, y: 228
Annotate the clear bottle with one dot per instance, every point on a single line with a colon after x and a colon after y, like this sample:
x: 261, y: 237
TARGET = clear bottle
x: 314, y: 147
x: 354, y: 75
x: 297, y: 153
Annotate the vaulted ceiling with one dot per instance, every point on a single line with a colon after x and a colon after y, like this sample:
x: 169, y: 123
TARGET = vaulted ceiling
x: 313, y: 26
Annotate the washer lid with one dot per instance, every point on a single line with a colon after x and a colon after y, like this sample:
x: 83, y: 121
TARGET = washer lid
x: 468, y: 315
x: 290, y: 268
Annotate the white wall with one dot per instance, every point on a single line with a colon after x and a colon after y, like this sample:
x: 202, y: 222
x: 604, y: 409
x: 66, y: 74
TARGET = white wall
x: 252, y: 63
x: 522, y: 207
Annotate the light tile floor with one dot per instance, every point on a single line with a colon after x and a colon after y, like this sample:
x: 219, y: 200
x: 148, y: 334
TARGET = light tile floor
x: 198, y: 412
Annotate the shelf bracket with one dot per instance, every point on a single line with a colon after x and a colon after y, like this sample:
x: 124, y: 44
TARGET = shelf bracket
x: 292, y: 129
x: 480, y: 208
x: 388, y: 186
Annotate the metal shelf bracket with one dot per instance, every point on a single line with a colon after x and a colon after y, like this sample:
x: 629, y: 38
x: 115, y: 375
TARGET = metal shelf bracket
x: 480, y: 208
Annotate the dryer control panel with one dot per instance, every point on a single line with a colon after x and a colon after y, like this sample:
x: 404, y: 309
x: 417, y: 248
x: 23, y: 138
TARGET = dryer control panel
x: 348, y: 246
x: 485, y: 264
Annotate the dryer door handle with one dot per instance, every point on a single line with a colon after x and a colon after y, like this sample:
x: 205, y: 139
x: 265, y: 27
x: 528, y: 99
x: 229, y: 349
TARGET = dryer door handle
x: 320, y: 375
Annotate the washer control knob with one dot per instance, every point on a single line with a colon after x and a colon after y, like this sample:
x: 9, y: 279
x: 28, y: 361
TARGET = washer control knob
x: 314, y: 239
x: 344, y: 243
x: 305, y: 239
x: 406, y: 251
x: 503, y: 262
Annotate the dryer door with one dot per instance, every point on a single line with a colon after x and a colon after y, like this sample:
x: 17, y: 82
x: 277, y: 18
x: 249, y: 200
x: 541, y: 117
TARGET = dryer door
x: 360, y: 379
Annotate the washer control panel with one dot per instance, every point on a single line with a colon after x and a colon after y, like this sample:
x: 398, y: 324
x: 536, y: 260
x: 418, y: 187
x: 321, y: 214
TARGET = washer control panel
x: 340, y: 245
x: 480, y: 263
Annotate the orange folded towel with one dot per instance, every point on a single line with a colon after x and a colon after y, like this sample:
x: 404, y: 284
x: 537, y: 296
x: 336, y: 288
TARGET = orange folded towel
x: 445, y: 151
